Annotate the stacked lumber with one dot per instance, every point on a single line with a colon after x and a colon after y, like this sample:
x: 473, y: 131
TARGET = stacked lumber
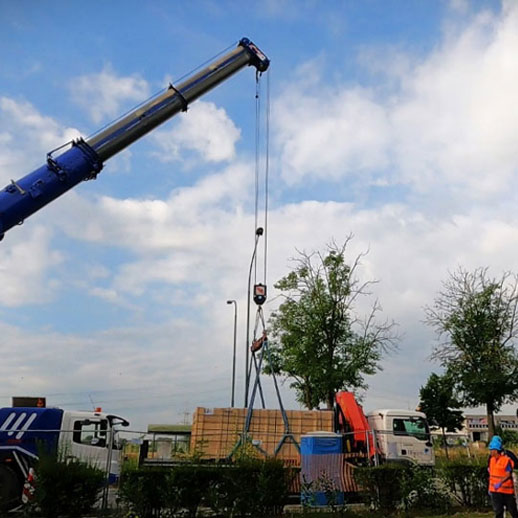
x: 216, y: 431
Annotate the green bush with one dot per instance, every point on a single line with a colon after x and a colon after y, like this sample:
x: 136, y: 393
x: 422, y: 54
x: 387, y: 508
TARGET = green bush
x: 395, y: 486
x: 509, y: 437
x: 425, y: 489
x: 66, y: 488
x: 249, y: 487
x: 468, y: 481
x: 145, y: 490
x: 382, y: 485
x: 265, y: 489
x: 189, y: 486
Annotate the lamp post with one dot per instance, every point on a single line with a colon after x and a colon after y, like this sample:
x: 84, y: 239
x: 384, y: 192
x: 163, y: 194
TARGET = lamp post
x: 234, y: 353
x: 258, y: 233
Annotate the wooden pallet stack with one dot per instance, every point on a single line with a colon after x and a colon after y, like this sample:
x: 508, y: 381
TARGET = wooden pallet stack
x: 216, y: 431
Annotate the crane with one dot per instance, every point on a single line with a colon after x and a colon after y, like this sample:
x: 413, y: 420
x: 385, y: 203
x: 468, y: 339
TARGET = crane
x: 84, y: 159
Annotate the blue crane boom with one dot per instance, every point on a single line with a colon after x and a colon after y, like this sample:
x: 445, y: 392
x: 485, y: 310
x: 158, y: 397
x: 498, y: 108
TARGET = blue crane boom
x: 85, y: 158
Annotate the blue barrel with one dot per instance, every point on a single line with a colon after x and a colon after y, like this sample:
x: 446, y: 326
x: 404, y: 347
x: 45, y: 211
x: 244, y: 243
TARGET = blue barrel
x: 322, y: 469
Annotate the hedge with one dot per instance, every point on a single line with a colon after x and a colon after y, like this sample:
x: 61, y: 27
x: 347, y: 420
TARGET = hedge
x: 65, y: 488
x: 395, y: 486
x: 250, y: 487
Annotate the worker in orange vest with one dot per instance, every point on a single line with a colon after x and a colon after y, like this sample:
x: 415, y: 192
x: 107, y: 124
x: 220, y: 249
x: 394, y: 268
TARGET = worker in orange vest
x: 501, y: 487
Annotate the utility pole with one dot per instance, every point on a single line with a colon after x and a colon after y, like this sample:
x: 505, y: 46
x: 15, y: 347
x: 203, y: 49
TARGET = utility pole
x: 258, y: 233
x: 234, y: 353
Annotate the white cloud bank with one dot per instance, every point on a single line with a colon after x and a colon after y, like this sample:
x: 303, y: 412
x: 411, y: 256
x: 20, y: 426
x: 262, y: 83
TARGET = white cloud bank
x: 25, y: 269
x: 451, y: 120
x: 205, y: 130
x: 102, y: 95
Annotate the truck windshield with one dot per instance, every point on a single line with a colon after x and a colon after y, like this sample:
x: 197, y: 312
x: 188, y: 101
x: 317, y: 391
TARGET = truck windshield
x: 414, y: 426
x: 92, y: 433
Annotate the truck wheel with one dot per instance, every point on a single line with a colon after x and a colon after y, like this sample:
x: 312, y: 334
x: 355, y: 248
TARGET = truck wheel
x: 10, y: 489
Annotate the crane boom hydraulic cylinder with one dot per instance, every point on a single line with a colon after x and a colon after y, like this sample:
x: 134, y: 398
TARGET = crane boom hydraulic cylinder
x: 85, y: 159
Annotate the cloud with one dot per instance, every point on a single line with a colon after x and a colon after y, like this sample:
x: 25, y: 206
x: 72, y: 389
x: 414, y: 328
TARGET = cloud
x: 205, y: 130
x: 345, y: 135
x: 137, y: 371
x: 25, y: 265
x: 450, y: 119
x: 185, y: 218
x: 461, y: 6
x: 457, y: 113
x: 27, y: 136
x: 104, y: 94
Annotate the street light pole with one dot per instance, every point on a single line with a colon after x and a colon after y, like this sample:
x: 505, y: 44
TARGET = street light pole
x: 234, y: 353
x: 258, y: 233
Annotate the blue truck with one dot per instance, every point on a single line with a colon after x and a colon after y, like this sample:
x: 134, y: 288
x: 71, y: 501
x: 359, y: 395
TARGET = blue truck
x: 28, y: 432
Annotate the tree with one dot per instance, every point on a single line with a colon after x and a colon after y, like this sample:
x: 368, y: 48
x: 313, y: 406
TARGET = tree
x: 439, y: 403
x: 318, y: 341
x: 476, y: 320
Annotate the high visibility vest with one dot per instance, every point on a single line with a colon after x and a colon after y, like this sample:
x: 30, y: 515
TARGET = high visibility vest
x: 498, y: 470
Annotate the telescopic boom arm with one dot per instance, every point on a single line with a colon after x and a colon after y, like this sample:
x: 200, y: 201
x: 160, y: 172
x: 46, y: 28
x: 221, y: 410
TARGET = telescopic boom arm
x: 85, y: 159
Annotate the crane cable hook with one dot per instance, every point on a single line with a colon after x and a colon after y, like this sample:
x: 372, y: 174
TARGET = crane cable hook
x: 260, y: 291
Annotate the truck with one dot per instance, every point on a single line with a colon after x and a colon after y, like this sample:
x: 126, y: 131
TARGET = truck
x: 385, y: 435
x: 27, y: 432
x: 81, y: 160
x: 402, y: 435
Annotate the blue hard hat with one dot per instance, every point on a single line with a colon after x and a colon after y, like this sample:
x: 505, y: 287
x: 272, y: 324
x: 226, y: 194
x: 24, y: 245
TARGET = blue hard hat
x: 496, y: 443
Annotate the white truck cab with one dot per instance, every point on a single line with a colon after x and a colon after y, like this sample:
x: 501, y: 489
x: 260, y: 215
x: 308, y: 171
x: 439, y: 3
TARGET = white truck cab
x: 402, y: 435
x: 86, y: 436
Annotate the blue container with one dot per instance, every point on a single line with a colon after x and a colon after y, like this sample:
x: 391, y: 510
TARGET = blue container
x: 322, y: 469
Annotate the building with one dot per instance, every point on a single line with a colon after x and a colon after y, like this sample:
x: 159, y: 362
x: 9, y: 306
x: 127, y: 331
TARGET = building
x: 475, y: 426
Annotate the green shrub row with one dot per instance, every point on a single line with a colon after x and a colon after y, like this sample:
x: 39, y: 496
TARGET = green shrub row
x: 252, y: 487
x: 394, y: 487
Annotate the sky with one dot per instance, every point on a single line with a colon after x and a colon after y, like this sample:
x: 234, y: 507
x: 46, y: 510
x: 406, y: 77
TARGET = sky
x: 394, y: 122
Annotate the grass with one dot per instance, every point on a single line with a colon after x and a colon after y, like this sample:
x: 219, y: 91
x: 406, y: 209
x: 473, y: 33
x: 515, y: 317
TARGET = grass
x: 366, y: 513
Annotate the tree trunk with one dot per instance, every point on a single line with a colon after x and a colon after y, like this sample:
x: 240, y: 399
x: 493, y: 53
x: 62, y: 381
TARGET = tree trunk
x: 445, y: 444
x: 490, y: 420
x: 330, y: 400
x: 307, y: 398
